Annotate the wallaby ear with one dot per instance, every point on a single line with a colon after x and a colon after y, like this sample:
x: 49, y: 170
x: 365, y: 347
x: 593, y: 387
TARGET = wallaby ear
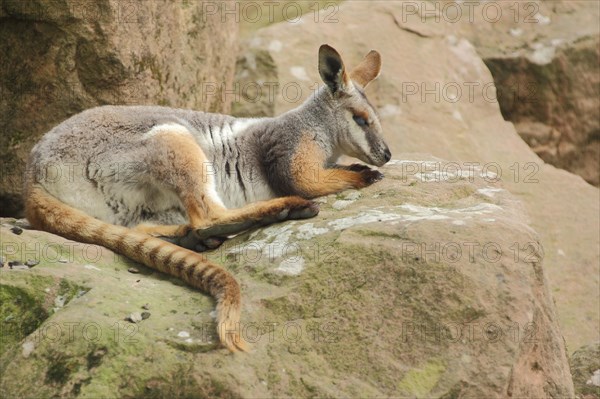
x: 331, y: 69
x: 368, y: 69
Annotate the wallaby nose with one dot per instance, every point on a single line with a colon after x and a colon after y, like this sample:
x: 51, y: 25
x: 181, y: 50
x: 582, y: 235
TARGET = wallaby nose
x: 387, y: 154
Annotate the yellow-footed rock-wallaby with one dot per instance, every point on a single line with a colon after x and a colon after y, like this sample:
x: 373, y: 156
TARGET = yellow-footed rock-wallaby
x: 194, y: 178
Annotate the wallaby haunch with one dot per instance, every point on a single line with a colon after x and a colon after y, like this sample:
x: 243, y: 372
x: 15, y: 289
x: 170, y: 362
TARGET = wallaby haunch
x: 131, y: 174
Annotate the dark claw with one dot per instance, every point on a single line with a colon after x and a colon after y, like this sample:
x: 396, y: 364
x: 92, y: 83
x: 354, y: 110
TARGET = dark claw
x: 283, y: 215
x: 200, y: 245
x: 191, y: 242
x: 371, y: 176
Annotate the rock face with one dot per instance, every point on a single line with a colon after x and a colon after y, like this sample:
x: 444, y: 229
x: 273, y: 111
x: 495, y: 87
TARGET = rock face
x: 418, y: 286
x: 544, y: 60
x: 436, y: 96
x: 585, y: 366
x: 59, y: 58
x: 561, y: 122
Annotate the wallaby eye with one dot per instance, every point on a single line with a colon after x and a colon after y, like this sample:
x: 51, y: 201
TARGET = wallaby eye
x: 360, y: 121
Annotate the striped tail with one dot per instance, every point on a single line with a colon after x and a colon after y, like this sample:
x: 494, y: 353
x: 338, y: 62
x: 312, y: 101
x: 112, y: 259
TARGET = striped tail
x: 46, y: 212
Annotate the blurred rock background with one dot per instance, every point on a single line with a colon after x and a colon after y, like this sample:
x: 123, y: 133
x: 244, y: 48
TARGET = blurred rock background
x: 544, y: 58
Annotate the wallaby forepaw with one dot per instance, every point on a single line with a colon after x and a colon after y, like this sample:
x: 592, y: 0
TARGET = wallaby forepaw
x: 370, y: 176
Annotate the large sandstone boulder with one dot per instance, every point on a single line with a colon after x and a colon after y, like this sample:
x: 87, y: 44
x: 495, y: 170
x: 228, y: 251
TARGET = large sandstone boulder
x: 435, y: 95
x: 414, y: 287
x: 61, y: 57
x: 431, y: 283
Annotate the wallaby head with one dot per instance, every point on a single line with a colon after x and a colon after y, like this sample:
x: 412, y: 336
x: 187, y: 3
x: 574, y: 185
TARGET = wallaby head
x: 358, y: 133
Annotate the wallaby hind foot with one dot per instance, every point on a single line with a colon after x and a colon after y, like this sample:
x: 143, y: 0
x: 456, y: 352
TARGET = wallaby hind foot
x: 202, y: 238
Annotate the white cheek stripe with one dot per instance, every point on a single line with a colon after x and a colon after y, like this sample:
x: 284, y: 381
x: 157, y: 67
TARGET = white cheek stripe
x: 359, y: 137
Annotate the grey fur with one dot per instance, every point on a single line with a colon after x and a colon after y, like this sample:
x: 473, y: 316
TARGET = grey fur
x: 110, y: 169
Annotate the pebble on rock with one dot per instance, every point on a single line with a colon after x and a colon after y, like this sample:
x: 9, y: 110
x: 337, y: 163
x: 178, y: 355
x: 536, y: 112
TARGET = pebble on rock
x: 16, y: 230
x: 18, y: 265
x: 135, y: 317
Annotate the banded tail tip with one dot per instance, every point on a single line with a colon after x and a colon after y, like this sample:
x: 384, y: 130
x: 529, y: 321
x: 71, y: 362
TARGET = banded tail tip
x: 232, y: 339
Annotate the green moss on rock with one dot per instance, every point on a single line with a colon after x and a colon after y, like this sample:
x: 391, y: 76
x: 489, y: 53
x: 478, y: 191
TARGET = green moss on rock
x: 420, y: 381
x: 584, y: 363
x: 183, y: 384
x: 21, y: 313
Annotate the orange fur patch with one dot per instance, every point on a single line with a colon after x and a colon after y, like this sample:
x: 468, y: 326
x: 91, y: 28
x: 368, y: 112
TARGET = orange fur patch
x: 310, y: 175
x: 191, y: 163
